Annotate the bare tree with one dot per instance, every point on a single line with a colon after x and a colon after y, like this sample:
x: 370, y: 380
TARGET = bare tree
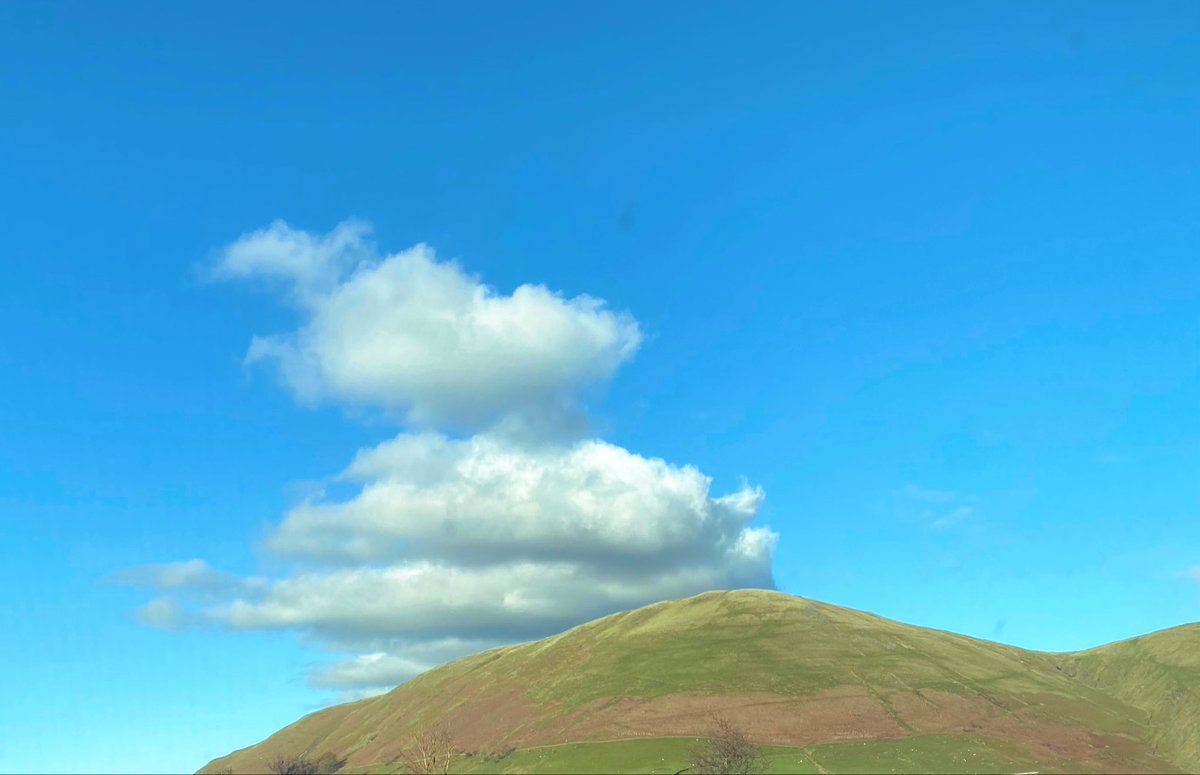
x: 726, y: 751
x: 292, y: 765
x: 431, y: 751
x: 329, y: 763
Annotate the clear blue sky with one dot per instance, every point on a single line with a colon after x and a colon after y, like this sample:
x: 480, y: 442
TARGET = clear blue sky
x: 927, y: 274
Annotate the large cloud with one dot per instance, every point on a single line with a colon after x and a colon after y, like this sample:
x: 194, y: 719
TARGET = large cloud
x: 426, y: 496
x: 465, y: 544
x: 444, y: 546
x: 412, y: 334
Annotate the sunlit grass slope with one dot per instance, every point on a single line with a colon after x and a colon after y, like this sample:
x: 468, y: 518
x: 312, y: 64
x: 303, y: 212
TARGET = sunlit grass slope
x: 1159, y: 673
x: 855, y: 691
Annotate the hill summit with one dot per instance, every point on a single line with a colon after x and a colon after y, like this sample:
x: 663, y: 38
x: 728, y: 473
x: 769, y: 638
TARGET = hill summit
x: 822, y: 688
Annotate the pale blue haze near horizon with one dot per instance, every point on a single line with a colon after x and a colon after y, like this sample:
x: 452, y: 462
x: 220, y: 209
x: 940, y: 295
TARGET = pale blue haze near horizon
x: 927, y: 273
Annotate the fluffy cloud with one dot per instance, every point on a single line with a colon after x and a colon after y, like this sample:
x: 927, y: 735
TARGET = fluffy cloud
x: 409, y: 333
x: 449, y: 546
x: 446, y: 546
x: 426, y: 496
x: 309, y: 264
x: 517, y: 601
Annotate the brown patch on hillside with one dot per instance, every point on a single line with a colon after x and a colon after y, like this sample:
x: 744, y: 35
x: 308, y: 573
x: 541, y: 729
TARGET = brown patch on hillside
x: 476, y: 724
x: 490, y: 722
x: 847, y: 713
x: 936, y: 712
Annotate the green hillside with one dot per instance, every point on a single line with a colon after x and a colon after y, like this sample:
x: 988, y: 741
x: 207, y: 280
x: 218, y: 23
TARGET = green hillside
x: 827, y: 688
x: 1158, y: 673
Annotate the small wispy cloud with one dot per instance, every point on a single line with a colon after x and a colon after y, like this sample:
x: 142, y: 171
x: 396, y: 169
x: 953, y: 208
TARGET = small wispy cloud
x: 165, y: 613
x: 183, y: 586
x: 936, y: 509
x: 1193, y: 573
x: 956, y: 516
x: 927, y: 495
x: 194, y: 578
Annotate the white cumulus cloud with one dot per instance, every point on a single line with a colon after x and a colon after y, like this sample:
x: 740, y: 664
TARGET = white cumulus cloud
x: 427, y: 496
x: 444, y: 546
x: 448, y: 546
x: 416, y: 335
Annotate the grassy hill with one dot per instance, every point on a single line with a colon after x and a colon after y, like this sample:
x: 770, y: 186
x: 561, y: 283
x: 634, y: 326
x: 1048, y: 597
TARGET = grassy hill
x: 1159, y: 674
x: 828, y: 689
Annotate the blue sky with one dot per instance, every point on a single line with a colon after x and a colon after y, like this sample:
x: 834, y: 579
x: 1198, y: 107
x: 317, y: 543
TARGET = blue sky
x: 925, y: 276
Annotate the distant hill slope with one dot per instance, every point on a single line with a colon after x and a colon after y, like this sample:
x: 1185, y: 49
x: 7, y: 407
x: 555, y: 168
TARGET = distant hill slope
x: 1158, y: 673
x: 796, y: 674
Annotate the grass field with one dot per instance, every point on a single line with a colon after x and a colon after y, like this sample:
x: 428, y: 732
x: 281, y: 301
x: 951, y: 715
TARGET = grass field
x: 923, y: 753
